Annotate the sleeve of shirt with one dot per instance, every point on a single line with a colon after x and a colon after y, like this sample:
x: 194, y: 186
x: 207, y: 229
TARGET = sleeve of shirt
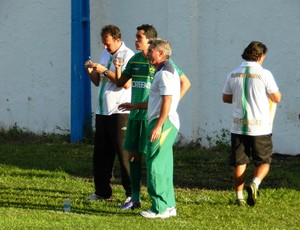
x: 166, y: 83
x: 179, y: 71
x: 128, y: 56
x: 227, y: 88
x: 128, y: 69
x: 271, y: 85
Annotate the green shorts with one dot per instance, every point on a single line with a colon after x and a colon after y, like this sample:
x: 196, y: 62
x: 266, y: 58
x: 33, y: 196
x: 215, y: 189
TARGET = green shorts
x: 136, y: 138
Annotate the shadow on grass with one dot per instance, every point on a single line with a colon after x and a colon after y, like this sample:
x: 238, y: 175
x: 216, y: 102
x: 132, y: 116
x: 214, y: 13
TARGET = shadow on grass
x: 52, y: 200
x: 86, y: 210
x: 193, y: 167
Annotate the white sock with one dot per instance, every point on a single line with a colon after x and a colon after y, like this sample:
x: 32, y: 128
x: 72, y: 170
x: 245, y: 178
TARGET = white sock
x: 239, y: 194
x: 257, y: 181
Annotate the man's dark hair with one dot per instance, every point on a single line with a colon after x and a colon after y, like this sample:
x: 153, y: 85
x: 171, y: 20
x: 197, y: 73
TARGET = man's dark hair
x: 150, y: 31
x: 112, y: 30
x: 254, y: 51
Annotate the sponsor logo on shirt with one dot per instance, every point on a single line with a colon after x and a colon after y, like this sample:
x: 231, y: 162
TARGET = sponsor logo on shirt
x: 245, y: 75
x: 152, y: 70
x: 252, y: 122
x: 141, y: 84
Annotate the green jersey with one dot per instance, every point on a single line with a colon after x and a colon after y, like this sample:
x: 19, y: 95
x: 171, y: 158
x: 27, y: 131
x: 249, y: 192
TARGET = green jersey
x: 142, y: 74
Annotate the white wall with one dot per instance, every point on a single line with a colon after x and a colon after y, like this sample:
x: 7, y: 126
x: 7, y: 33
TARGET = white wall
x: 208, y: 37
x: 35, y: 64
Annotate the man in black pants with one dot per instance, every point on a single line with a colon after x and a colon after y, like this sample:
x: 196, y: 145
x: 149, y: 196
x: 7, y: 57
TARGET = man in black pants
x: 111, y: 123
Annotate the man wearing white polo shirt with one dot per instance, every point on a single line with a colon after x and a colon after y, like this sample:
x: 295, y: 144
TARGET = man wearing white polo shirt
x: 111, y: 122
x: 251, y: 90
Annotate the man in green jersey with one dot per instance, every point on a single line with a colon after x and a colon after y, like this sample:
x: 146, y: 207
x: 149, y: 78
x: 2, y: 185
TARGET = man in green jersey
x: 141, y: 72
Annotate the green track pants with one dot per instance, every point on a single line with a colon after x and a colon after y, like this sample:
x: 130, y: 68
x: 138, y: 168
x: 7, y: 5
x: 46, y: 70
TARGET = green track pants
x: 159, y: 163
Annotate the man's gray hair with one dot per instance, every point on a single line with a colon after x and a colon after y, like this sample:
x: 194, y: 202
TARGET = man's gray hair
x: 162, y: 45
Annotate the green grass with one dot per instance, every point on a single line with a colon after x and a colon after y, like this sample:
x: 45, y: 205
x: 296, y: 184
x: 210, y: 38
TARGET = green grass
x: 37, y: 174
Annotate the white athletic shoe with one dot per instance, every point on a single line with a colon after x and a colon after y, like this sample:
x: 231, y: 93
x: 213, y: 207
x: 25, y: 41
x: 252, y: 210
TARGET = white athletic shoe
x: 166, y: 214
x: 93, y: 197
x: 96, y: 197
x: 152, y: 215
x: 172, y: 211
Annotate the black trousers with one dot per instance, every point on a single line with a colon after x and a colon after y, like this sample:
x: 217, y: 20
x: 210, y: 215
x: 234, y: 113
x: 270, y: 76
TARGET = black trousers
x: 108, y: 142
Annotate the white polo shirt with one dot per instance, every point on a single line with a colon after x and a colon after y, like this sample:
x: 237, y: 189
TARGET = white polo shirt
x: 165, y: 82
x: 109, y: 95
x: 249, y: 86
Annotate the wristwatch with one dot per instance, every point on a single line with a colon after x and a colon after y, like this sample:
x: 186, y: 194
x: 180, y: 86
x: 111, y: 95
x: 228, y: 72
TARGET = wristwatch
x: 105, y: 72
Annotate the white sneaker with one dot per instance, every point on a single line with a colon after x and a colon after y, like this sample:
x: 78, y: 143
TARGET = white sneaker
x: 172, y: 211
x: 127, y: 200
x: 96, y: 197
x: 152, y: 215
